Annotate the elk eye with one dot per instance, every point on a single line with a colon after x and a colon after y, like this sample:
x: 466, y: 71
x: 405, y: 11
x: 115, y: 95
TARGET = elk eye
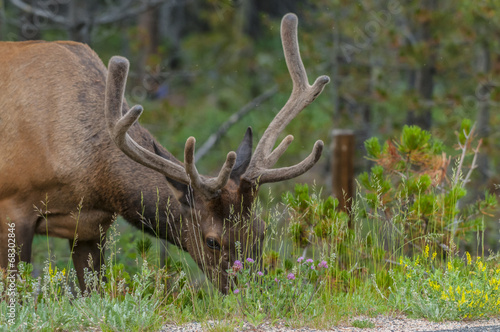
x: 213, y: 244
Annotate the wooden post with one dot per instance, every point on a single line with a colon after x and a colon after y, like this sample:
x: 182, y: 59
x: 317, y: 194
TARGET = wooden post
x: 343, y: 167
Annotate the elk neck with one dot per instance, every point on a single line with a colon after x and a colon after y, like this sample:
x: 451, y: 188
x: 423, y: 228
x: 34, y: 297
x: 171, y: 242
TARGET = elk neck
x: 142, y: 196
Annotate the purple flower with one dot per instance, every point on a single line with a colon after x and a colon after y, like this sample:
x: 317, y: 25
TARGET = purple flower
x: 290, y: 276
x: 309, y: 261
x: 260, y: 274
x: 300, y: 259
x: 236, y: 291
x: 237, y: 266
x: 249, y: 260
x: 323, y: 264
x: 276, y: 279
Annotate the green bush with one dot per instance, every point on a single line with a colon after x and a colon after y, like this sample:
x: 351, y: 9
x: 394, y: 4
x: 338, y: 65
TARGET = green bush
x: 412, y: 189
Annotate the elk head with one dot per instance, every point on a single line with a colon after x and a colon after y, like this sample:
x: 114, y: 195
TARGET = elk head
x: 216, y: 211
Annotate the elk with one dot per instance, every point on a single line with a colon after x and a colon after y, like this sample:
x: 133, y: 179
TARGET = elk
x: 66, y: 133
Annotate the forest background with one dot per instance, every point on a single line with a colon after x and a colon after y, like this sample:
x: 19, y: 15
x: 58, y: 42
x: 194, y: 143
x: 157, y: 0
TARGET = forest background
x: 195, y: 63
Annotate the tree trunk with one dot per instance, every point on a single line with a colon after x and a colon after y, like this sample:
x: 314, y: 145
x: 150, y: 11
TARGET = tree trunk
x: 252, y: 25
x: 80, y: 16
x: 3, y: 21
x: 150, y: 41
x: 425, y: 73
x: 30, y: 29
x: 483, y: 110
x: 174, y: 19
x: 335, y: 85
x: 343, y: 168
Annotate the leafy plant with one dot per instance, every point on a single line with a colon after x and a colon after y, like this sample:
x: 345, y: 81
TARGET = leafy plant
x: 314, y: 219
x: 412, y: 188
x: 282, y: 294
x: 463, y: 288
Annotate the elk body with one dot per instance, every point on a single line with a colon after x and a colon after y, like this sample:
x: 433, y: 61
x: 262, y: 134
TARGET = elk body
x: 67, y: 134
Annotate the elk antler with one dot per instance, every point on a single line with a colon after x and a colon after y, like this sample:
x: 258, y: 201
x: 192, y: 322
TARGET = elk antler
x: 302, y: 95
x: 118, y: 126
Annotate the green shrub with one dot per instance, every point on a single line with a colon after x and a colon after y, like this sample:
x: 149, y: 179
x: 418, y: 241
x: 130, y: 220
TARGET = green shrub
x: 412, y: 189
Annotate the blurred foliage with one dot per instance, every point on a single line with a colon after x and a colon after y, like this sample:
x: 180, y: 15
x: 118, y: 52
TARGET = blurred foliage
x: 227, y: 52
x: 314, y: 219
x: 213, y: 57
x: 409, y: 188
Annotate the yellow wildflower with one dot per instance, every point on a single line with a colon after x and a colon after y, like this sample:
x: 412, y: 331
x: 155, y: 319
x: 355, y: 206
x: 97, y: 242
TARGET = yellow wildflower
x: 462, y: 300
x: 434, y: 285
x: 452, y: 294
x: 469, y: 259
x: 426, y: 251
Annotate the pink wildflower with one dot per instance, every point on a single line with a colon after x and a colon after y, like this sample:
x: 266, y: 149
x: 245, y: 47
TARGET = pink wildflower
x: 237, y: 266
x: 323, y: 264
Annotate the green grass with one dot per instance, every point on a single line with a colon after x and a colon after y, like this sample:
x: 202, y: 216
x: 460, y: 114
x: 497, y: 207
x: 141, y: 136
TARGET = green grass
x: 328, y: 280
x: 363, y: 324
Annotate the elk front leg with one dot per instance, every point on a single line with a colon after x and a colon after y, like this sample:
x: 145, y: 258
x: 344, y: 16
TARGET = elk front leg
x: 87, y: 254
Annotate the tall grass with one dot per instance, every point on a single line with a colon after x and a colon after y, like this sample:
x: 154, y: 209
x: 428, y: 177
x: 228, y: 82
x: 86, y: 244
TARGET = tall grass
x: 319, y: 267
x: 364, y: 272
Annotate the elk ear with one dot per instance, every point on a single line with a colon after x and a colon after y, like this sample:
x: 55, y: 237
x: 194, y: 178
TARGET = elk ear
x: 243, y: 156
x: 182, y: 188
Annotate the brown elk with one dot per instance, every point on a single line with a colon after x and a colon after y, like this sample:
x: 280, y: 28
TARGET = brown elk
x: 66, y: 133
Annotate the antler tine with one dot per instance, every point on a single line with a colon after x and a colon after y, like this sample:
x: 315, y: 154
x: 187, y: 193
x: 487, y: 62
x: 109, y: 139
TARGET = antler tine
x: 118, y: 126
x: 285, y: 173
x: 209, y: 186
x: 302, y: 95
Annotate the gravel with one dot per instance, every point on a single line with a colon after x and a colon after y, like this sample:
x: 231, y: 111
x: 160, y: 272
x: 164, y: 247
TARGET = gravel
x: 381, y: 323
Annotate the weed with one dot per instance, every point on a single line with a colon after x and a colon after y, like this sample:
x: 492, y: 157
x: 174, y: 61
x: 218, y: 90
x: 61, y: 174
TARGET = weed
x: 363, y: 324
